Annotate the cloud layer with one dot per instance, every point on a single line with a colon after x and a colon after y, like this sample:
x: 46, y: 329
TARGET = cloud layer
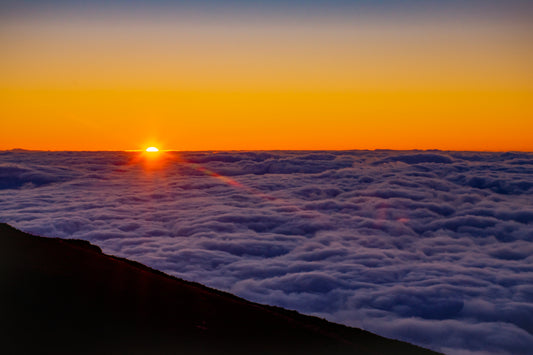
x: 434, y: 248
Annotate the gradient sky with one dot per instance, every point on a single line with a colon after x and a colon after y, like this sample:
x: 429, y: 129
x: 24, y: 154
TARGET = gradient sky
x: 266, y: 75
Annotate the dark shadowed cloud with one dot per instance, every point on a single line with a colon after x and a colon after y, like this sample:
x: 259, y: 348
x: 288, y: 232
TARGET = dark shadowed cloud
x: 434, y: 248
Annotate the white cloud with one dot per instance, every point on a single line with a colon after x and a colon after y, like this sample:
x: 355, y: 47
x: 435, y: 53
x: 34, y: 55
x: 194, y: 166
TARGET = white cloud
x: 429, y: 247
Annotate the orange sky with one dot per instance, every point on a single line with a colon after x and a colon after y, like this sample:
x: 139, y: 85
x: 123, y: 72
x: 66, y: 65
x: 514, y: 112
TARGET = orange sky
x: 93, y: 83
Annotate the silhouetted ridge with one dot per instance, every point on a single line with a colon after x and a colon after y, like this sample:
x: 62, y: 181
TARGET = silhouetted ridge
x: 66, y: 296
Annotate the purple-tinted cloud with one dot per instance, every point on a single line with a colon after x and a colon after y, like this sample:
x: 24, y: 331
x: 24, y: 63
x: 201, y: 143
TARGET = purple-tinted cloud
x: 430, y: 247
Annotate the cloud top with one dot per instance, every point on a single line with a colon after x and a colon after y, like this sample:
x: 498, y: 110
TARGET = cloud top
x: 434, y: 247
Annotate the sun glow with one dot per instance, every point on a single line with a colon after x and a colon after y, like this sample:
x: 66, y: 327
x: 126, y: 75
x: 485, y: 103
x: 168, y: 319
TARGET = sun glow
x: 151, y: 159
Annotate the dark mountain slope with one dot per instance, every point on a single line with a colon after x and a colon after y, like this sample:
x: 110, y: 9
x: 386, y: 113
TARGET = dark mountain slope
x: 65, y: 296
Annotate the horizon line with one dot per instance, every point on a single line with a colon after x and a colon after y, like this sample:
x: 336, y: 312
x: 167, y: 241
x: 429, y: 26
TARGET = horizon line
x: 264, y: 150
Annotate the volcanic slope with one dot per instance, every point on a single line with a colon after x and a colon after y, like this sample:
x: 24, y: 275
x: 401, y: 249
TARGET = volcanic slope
x: 66, y: 296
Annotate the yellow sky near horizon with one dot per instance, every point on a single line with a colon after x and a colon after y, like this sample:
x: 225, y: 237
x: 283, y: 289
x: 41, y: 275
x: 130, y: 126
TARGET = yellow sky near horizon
x: 191, y: 85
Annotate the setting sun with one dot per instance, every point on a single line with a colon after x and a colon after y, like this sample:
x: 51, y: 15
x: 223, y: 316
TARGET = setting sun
x: 152, y: 149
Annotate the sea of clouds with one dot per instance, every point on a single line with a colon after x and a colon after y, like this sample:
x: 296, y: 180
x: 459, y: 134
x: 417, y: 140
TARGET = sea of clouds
x: 431, y: 247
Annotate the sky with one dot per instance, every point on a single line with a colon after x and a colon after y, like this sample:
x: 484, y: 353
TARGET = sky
x: 434, y: 248
x: 212, y: 75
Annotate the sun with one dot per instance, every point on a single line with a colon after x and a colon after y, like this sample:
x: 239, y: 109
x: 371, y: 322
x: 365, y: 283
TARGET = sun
x: 152, y: 149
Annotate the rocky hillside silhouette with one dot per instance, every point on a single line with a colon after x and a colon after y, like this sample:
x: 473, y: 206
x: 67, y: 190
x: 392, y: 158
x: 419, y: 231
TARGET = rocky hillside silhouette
x: 66, y: 296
